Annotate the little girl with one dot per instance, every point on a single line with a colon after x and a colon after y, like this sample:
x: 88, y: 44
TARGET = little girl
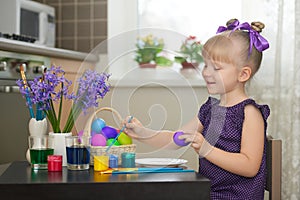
x: 228, y: 133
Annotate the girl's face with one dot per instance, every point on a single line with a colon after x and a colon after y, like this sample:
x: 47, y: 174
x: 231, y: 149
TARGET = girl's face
x: 220, y: 77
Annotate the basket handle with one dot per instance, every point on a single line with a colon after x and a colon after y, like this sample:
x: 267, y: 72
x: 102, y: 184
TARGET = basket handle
x: 87, y: 129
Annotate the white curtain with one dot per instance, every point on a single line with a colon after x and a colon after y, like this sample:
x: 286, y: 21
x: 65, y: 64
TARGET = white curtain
x: 278, y: 84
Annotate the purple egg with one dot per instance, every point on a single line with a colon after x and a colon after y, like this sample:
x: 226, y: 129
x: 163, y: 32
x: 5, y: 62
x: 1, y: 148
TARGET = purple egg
x: 109, y: 132
x: 178, y: 141
x: 98, y: 140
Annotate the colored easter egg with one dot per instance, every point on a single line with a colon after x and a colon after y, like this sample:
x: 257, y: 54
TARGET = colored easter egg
x: 98, y: 140
x: 97, y: 125
x: 178, y: 141
x: 109, y: 141
x: 124, y: 139
x: 109, y: 132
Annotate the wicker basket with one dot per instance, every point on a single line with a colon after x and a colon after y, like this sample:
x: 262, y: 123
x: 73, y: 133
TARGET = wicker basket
x: 100, y: 150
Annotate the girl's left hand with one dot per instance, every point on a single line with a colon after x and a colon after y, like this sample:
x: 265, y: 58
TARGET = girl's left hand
x: 196, y: 139
x: 198, y: 142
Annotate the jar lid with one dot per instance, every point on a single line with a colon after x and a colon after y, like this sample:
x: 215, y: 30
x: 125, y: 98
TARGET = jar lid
x: 128, y: 155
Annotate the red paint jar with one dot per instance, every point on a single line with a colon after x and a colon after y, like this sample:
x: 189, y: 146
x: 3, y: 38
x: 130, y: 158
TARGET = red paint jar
x: 55, y: 163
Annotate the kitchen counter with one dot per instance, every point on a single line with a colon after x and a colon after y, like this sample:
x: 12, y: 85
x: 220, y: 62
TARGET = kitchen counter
x: 19, y: 181
x: 30, y: 48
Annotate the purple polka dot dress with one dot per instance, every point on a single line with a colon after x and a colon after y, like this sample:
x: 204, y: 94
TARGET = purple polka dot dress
x: 223, y: 129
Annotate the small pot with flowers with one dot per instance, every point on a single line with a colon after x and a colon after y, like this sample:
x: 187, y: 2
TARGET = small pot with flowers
x: 190, y: 51
x: 148, y: 52
x: 53, y: 88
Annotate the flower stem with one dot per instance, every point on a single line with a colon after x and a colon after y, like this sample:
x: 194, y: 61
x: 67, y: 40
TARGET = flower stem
x: 74, y: 113
x: 55, y: 124
x: 60, y: 104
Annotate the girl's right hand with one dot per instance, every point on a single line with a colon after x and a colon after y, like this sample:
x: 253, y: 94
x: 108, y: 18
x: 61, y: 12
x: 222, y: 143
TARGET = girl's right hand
x: 134, y: 128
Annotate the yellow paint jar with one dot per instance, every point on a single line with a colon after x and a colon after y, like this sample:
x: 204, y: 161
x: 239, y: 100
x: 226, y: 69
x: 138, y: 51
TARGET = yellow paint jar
x: 101, y: 163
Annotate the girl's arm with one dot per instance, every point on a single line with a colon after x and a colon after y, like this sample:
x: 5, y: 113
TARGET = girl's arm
x: 247, y: 161
x: 162, y: 138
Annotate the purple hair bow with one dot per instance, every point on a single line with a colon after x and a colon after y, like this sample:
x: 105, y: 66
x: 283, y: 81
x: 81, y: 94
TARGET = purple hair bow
x: 256, y: 39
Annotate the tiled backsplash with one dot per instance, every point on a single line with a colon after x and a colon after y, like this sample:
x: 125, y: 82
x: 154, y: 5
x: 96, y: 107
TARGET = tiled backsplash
x: 80, y: 24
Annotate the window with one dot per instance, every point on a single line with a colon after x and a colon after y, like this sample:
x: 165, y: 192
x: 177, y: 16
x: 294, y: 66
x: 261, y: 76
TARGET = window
x: 188, y: 17
x: 200, y: 18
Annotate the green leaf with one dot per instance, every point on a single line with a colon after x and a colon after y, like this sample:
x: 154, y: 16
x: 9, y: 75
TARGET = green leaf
x: 179, y: 59
x: 199, y: 58
x: 163, y: 61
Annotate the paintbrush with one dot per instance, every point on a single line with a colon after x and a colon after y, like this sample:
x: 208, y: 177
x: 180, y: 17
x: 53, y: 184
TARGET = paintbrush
x: 145, y: 170
x: 28, y: 100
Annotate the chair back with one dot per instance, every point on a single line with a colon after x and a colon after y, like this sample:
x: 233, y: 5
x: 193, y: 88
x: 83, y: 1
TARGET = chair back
x: 274, y: 167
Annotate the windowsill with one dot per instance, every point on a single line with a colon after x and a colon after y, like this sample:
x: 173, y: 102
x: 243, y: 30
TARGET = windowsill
x: 159, y: 77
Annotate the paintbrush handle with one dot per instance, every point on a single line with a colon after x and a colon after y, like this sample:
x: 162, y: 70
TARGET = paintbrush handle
x: 29, y: 104
x: 162, y: 170
x: 143, y: 170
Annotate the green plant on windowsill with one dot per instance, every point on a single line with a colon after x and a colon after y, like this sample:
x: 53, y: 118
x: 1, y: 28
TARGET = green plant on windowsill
x: 149, y: 49
x: 190, y: 51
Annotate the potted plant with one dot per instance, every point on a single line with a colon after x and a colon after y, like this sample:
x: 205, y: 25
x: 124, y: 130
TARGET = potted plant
x: 148, y: 50
x: 53, y: 88
x: 190, y: 51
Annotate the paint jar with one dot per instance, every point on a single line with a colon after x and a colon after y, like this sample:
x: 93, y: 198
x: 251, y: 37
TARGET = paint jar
x: 113, y: 161
x: 128, y: 160
x: 54, y: 163
x: 101, y: 163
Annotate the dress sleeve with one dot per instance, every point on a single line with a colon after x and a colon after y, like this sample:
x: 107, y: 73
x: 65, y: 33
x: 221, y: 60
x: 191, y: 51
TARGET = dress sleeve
x: 204, y: 111
x: 264, y: 109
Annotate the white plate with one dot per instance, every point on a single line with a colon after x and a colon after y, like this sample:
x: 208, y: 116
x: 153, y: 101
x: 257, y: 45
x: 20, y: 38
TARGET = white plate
x: 155, y: 162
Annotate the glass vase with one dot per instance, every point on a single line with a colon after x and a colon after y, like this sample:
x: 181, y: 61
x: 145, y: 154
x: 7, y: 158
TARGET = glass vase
x: 36, y: 128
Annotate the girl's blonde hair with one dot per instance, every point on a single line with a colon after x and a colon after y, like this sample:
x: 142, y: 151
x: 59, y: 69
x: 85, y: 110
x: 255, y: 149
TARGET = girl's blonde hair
x: 222, y: 48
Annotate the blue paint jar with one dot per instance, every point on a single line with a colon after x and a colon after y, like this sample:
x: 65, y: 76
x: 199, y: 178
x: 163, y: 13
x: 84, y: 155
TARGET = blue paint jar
x: 113, y: 161
x: 128, y: 160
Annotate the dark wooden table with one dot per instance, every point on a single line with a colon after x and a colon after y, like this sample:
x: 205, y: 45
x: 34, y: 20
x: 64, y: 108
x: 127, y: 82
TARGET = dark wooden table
x: 19, y: 181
